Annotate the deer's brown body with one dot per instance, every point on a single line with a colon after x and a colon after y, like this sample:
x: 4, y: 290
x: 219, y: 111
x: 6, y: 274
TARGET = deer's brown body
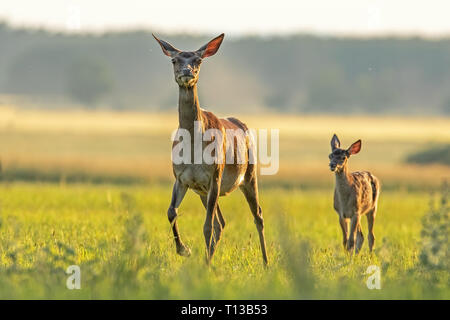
x: 209, y: 181
x: 198, y: 176
x: 355, y: 195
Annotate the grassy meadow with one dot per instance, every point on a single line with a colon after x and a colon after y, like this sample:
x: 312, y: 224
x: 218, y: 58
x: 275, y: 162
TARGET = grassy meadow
x: 91, y: 188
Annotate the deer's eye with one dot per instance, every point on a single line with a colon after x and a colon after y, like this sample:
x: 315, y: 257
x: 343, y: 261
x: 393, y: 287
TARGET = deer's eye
x: 174, y: 60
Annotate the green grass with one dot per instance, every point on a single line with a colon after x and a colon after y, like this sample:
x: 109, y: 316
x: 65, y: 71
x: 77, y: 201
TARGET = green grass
x: 107, y: 188
x: 121, y: 239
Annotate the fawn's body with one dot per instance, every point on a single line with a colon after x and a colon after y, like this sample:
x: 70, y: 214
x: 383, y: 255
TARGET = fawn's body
x: 209, y: 181
x: 355, y: 195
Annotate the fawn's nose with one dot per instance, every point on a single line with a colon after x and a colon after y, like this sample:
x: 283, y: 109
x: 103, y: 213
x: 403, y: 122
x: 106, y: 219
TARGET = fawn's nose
x: 332, y: 166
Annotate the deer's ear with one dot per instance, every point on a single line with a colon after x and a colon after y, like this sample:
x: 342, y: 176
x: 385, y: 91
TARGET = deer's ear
x: 355, y: 147
x: 166, y: 47
x: 211, y: 47
x: 335, y: 143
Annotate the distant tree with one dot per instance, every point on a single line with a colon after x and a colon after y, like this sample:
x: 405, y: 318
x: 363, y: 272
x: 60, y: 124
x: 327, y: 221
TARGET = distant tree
x: 327, y: 89
x: 89, y: 81
x: 289, y: 73
x: 446, y: 107
x: 436, y: 154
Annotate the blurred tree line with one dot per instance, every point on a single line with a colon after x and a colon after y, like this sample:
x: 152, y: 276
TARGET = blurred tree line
x: 127, y: 70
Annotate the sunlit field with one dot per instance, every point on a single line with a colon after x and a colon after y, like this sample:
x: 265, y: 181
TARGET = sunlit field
x: 101, y: 146
x: 92, y: 189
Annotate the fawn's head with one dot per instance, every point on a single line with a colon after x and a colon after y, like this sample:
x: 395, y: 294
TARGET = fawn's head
x: 186, y: 64
x: 339, y: 157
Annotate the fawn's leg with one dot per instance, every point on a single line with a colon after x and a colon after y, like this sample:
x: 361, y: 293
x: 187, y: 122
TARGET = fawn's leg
x: 344, y: 226
x: 353, y: 227
x: 219, y: 222
x: 370, y: 222
x: 359, y: 238
x: 178, y: 193
x: 211, y: 208
x: 250, y: 190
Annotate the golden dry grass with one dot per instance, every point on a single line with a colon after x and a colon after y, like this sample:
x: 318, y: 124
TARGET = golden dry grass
x: 138, y: 144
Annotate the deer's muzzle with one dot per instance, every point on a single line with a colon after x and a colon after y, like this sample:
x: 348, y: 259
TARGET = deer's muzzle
x: 333, y: 166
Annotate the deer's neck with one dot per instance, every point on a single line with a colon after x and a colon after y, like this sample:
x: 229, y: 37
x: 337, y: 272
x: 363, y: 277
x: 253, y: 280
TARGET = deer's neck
x: 343, y: 180
x: 188, y: 107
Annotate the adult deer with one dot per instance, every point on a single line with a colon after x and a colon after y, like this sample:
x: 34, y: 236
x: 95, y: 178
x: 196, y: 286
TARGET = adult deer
x: 209, y: 180
x: 356, y: 194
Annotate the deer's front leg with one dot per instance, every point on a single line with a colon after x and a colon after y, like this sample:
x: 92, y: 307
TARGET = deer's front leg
x: 344, y: 226
x: 353, y: 227
x: 178, y: 193
x: 212, y: 199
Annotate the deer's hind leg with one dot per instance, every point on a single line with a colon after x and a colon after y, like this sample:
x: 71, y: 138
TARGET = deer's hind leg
x: 178, y: 193
x: 359, y: 239
x: 370, y: 222
x: 250, y: 190
x: 210, y: 227
x: 219, y: 221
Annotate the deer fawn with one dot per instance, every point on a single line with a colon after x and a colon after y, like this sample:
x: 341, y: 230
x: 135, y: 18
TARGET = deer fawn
x: 209, y: 181
x: 355, y: 195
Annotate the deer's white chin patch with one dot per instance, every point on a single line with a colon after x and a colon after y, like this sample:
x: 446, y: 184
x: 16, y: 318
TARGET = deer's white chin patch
x: 186, y: 81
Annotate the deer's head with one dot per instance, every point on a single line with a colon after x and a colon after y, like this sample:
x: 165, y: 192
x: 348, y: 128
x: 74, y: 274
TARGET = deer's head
x: 186, y: 64
x: 339, y: 157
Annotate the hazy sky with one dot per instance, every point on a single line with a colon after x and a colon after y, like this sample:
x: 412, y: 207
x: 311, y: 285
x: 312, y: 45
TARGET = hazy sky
x: 236, y: 17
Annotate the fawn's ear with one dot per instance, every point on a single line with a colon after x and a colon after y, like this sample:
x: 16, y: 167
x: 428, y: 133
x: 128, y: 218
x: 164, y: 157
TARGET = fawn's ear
x: 355, y: 147
x: 211, y: 47
x: 335, y: 143
x: 166, y: 47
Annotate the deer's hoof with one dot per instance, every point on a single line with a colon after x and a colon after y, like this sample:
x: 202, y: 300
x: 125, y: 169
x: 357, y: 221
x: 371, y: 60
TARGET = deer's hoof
x: 184, y: 251
x: 350, y: 250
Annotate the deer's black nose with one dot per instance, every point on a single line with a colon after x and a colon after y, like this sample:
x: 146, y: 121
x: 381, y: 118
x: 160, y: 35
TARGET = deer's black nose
x: 187, y: 73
